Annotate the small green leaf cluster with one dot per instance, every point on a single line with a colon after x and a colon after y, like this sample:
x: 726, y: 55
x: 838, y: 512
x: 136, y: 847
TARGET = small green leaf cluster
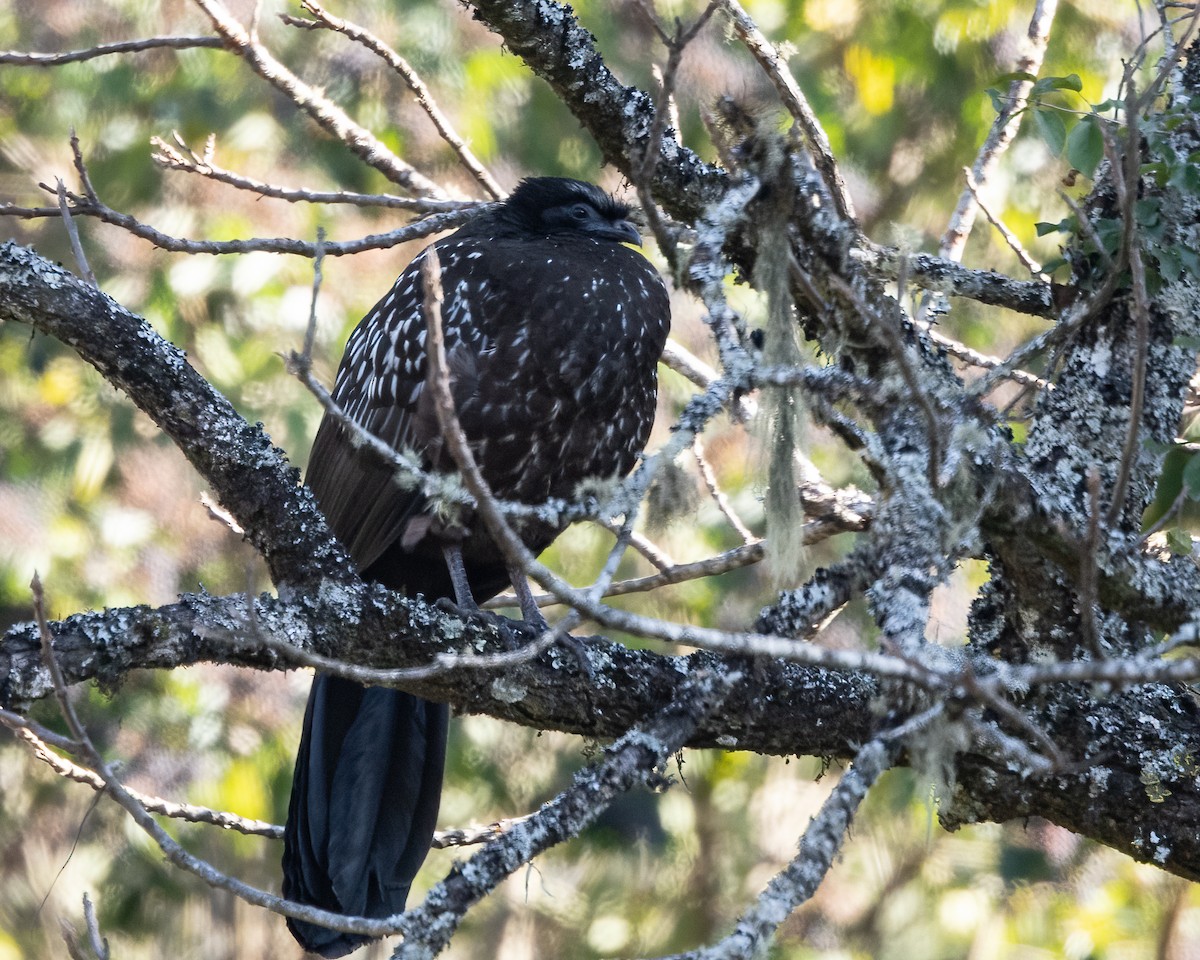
x: 1050, y: 101
x: 1165, y: 167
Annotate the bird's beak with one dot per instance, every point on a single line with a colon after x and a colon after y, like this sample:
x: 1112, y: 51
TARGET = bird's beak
x: 626, y: 232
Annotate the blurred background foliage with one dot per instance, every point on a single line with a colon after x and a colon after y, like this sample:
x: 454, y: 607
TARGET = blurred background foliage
x: 109, y: 513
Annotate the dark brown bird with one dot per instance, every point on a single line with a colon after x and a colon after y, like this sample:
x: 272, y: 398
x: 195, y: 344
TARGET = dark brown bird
x: 553, y: 329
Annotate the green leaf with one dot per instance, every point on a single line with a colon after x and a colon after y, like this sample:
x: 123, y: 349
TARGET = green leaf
x: 1186, y: 177
x: 1085, y: 146
x: 1179, y: 542
x: 1169, y: 264
x: 1170, y: 482
x: 1016, y: 76
x: 1043, y: 227
x: 1069, y: 82
x: 1147, y: 211
x: 1051, y: 129
x: 1158, y: 170
x: 1191, y: 477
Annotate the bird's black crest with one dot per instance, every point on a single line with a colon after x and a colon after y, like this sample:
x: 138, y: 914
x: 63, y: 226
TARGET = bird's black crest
x: 534, y: 195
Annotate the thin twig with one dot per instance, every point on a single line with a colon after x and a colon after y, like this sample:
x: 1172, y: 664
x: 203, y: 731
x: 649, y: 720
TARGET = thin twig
x: 718, y: 495
x: 794, y: 101
x: 99, y: 943
x: 181, y: 157
x: 310, y: 330
x: 1126, y: 180
x: 816, y: 530
x: 1003, y: 131
x: 1010, y: 238
x: 167, y: 808
x: 414, y: 82
x: 474, y: 835
x: 643, y: 168
x: 676, y: 45
x: 977, y: 359
x: 734, y: 559
x: 26, y: 730
x: 80, y: 206
x: 85, y: 272
x: 331, y: 118
x: 641, y: 543
x: 1089, y: 230
x: 688, y: 365
x: 23, y: 58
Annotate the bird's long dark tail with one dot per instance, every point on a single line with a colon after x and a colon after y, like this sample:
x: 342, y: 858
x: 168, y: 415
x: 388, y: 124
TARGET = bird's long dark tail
x: 364, y: 804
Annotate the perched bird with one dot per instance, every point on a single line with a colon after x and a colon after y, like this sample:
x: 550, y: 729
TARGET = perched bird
x: 553, y: 327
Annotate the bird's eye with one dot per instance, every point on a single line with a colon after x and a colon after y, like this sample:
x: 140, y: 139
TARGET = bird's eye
x: 580, y: 211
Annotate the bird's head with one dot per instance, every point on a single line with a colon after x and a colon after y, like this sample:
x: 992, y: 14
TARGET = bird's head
x: 558, y: 205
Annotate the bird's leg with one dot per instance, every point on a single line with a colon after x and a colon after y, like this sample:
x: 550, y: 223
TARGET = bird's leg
x: 458, y: 576
x: 529, y: 608
x: 464, y: 599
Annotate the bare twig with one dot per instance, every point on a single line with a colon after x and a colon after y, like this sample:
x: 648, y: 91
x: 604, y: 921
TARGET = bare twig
x: 167, y: 808
x: 643, y: 170
x: 331, y: 118
x: 414, y: 82
x: 85, y: 272
x: 1088, y: 229
x: 642, y: 544
x: 718, y: 495
x: 471, y: 836
x: 676, y: 45
x: 1003, y: 132
x: 81, y: 206
x: 97, y: 944
x: 181, y: 157
x: 976, y: 359
x: 794, y: 101
x: 1126, y: 177
x: 734, y: 559
x: 1010, y: 238
x: 310, y: 330
x: 687, y: 364
x: 28, y: 731
x: 22, y: 58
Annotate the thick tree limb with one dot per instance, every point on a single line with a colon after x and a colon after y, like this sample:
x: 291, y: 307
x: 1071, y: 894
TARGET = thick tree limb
x: 787, y: 709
